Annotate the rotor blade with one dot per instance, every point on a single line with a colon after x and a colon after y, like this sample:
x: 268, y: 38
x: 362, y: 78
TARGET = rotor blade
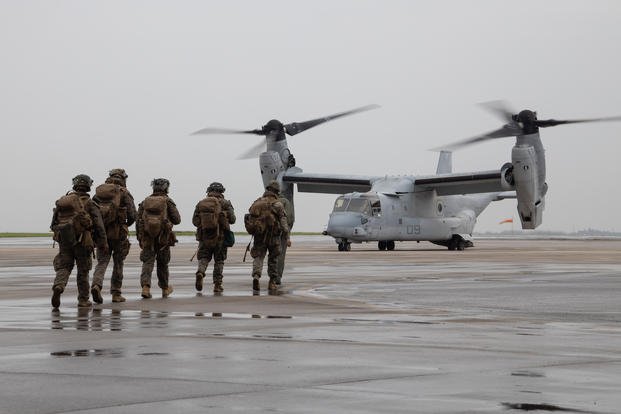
x: 544, y: 123
x: 253, y: 152
x: 509, y: 130
x: 499, y: 108
x: 211, y: 131
x: 297, y: 127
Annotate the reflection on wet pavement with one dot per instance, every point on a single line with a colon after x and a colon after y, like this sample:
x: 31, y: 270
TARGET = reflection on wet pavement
x: 85, y: 319
x: 111, y: 353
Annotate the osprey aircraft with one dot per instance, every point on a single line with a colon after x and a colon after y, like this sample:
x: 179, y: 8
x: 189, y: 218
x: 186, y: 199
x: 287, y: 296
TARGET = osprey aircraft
x: 441, y: 208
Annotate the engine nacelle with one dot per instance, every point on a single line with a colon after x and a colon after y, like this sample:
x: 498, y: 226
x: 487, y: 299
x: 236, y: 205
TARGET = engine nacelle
x: 530, y: 192
x: 271, y: 166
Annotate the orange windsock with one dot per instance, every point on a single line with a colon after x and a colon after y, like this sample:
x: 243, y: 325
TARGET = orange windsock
x: 506, y: 221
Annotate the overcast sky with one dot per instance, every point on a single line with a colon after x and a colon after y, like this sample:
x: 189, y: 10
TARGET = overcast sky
x: 87, y: 86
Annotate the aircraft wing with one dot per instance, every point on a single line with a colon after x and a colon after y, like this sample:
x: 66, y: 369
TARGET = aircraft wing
x: 460, y: 183
x: 328, y: 183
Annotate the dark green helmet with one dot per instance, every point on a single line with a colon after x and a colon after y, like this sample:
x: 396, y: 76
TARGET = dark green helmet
x: 273, y: 186
x: 82, y: 182
x: 160, y: 184
x: 217, y: 187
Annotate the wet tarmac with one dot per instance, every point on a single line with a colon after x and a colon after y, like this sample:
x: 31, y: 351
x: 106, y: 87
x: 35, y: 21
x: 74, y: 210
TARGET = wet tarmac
x: 507, y: 326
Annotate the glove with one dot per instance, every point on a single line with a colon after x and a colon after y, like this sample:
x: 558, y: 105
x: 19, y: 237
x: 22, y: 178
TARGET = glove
x: 288, y: 242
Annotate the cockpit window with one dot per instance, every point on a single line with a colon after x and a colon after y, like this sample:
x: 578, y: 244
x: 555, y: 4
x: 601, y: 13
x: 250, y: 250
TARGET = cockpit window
x: 340, y: 204
x: 359, y: 205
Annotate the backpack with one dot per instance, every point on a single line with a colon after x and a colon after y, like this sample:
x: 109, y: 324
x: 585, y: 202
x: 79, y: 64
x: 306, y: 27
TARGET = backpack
x: 72, y: 220
x: 260, y: 219
x: 211, y: 220
x: 109, y: 200
x: 155, y: 218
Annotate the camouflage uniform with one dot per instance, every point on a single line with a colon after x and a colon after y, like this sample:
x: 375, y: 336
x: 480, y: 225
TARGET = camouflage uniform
x: 270, y: 242
x: 118, y: 248
x: 218, y: 252
x: 81, y: 253
x: 156, y: 250
x: 284, y: 238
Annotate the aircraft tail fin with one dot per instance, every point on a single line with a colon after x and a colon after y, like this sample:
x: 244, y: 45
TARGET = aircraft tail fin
x: 445, y: 163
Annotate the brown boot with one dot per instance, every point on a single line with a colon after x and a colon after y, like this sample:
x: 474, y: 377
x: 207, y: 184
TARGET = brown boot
x: 217, y: 287
x: 96, y: 293
x: 57, y: 291
x: 84, y: 303
x: 116, y: 298
x: 167, y: 291
x: 255, y: 285
x: 199, y: 281
x: 272, y: 285
x: 146, y: 292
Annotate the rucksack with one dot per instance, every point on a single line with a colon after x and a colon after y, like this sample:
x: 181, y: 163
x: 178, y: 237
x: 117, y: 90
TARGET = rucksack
x: 72, y: 220
x: 261, y: 219
x: 211, y: 219
x: 155, y: 218
x: 109, y: 200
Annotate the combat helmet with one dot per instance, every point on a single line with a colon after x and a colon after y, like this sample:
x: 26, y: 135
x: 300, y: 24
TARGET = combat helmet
x: 217, y: 187
x: 119, y: 173
x: 160, y: 184
x: 273, y: 186
x: 82, y: 182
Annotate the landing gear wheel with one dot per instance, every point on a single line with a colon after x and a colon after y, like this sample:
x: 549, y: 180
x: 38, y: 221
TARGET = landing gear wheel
x: 344, y: 246
x: 381, y: 245
x: 390, y: 245
x: 347, y: 247
x: 461, y: 245
x: 341, y: 247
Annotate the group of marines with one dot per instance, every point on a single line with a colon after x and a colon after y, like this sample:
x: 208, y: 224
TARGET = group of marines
x: 83, y: 225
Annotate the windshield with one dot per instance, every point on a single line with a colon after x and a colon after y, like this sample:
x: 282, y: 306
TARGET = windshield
x: 340, y: 204
x: 359, y: 205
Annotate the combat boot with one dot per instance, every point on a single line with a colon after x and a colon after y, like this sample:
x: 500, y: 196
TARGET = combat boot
x: 272, y: 285
x: 116, y: 298
x: 167, y: 291
x: 146, y: 292
x: 84, y: 303
x: 217, y: 287
x: 199, y: 281
x: 57, y: 291
x: 255, y: 285
x: 96, y: 293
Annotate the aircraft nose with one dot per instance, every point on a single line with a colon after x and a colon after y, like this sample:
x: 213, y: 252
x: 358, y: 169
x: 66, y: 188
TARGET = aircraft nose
x: 342, y: 224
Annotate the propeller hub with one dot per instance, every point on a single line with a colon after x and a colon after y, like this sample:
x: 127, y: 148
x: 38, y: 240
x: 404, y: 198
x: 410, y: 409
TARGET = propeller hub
x: 528, y: 119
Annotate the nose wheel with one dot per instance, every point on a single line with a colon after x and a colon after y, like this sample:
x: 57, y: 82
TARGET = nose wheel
x: 344, y: 246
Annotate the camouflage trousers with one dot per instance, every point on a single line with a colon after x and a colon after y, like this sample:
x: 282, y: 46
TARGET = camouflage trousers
x: 63, y: 265
x: 271, y: 247
x: 149, y: 256
x: 205, y: 254
x: 118, y: 250
x: 281, y: 257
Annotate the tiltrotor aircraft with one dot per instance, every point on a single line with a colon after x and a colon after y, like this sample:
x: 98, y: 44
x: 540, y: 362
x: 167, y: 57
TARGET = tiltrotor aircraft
x: 441, y: 208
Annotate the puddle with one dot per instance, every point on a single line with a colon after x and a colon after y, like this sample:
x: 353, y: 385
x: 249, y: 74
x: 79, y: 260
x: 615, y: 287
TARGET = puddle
x: 541, y: 407
x: 529, y: 374
x: 110, y: 353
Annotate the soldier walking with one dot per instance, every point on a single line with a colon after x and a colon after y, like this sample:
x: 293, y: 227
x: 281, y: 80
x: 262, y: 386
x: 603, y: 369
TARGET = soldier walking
x: 285, y: 240
x: 154, y: 223
x: 118, y: 213
x: 213, y: 217
x: 266, y: 221
x: 77, y: 227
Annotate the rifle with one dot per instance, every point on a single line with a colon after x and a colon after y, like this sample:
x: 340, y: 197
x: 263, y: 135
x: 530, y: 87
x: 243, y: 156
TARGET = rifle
x: 247, y: 248
x: 194, y: 255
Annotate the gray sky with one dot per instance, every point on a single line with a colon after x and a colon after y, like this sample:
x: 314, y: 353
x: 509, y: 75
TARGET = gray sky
x: 87, y: 86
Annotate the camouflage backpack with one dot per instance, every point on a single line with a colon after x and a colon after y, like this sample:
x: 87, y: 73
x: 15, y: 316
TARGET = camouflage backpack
x: 155, y: 218
x: 211, y: 215
x: 260, y: 219
x: 109, y: 199
x: 73, y: 223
